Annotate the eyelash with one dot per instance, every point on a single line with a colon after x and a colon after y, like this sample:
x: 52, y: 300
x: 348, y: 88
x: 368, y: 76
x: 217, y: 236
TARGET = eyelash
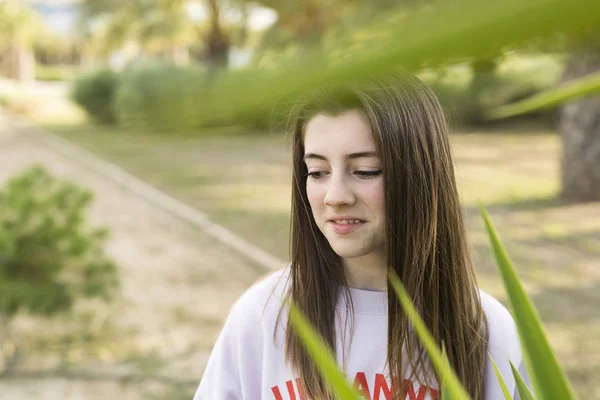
x: 362, y: 174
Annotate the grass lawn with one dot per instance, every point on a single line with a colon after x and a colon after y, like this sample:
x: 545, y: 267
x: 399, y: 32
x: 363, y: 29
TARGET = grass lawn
x: 243, y: 182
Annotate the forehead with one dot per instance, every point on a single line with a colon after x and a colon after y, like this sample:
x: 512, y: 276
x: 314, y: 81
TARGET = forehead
x: 344, y: 133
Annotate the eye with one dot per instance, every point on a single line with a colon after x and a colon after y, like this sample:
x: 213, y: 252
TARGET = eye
x: 316, y: 174
x: 368, y: 174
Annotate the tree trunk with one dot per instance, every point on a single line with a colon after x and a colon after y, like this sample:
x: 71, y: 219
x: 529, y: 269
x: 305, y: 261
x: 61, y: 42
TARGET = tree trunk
x: 484, y: 78
x: 19, y: 63
x: 217, y: 43
x: 579, y: 126
x: 10, y: 352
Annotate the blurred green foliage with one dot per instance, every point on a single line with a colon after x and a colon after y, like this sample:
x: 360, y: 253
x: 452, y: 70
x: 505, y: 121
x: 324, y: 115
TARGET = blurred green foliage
x: 517, y: 76
x: 354, y: 40
x: 20, y: 25
x: 428, y: 38
x: 168, y: 98
x: 165, y: 98
x: 48, y: 258
x: 157, y: 96
x: 95, y: 92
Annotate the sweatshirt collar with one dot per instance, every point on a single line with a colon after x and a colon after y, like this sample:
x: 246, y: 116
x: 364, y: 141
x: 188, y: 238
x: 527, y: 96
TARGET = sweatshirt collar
x: 364, y: 301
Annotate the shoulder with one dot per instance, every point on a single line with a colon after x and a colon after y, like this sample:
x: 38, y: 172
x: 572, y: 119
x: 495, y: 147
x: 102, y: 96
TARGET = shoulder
x: 503, y: 335
x: 235, y: 363
x: 494, y: 309
x: 266, y: 295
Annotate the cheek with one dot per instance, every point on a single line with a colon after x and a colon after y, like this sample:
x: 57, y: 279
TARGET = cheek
x: 315, y: 195
x: 377, y: 198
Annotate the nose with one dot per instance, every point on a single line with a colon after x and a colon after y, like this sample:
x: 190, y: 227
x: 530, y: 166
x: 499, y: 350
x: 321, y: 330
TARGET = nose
x: 338, y: 192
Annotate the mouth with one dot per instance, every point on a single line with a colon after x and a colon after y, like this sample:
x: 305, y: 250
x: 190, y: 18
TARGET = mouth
x: 345, y: 226
x: 346, y: 221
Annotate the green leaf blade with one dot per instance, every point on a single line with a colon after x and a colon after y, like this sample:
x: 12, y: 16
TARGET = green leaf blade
x: 451, y: 383
x: 522, y: 388
x: 507, y: 395
x: 589, y: 84
x: 548, y: 378
x: 446, y: 393
x: 322, y: 356
x: 430, y: 39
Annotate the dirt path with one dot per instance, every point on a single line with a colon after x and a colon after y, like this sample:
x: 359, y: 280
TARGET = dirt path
x: 178, y: 284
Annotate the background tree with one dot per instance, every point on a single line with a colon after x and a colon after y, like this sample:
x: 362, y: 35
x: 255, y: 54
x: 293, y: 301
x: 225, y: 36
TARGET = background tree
x: 141, y: 28
x: 107, y: 25
x: 168, y: 31
x: 19, y: 27
x: 579, y: 127
x: 301, y: 25
x: 54, y: 48
x: 216, y: 42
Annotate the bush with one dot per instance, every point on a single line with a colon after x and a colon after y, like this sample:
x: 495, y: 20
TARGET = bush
x: 95, y: 92
x: 159, y: 97
x: 48, y: 258
x: 171, y: 99
x: 517, y: 77
x: 457, y: 101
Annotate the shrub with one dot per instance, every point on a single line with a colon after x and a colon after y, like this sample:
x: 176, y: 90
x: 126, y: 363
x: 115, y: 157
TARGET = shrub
x: 171, y: 99
x: 457, y: 101
x: 159, y: 97
x: 48, y: 258
x: 518, y: 77
x: 95, y: 92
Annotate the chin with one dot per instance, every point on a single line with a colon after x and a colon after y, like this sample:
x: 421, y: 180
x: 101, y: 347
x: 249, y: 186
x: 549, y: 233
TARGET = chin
x: 348, y: 250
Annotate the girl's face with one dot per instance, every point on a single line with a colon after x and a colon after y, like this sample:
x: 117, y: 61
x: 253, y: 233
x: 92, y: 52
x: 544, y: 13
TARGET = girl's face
x: 345, y: 184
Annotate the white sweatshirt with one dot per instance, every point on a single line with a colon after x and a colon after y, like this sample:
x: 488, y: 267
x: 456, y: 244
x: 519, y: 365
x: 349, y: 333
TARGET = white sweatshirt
x: 247, y: 363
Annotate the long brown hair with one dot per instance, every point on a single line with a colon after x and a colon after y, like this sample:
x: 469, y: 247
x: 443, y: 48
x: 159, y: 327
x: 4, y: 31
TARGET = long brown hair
x: 425, y: 237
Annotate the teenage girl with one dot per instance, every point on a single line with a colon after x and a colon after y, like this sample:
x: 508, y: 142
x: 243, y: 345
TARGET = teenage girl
x: 373, y: 187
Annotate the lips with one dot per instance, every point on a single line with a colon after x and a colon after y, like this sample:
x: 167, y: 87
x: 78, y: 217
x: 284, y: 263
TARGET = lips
x: 346, y: 225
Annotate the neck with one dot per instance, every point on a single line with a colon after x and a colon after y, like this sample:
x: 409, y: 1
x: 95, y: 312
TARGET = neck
x: 368, y: 272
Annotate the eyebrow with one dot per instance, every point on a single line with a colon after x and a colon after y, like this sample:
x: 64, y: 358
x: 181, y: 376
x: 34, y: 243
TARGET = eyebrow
x: 351, y: 156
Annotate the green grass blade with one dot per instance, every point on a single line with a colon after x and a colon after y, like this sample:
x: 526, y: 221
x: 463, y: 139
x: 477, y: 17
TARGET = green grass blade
x: 548, y: 378
x: 524, y: 393
x: 461, y: 29
x: 321, y: 354
x: 589, y: 84
x: 446, y: 393
x: 451, y: 384
x: 507, y: 395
